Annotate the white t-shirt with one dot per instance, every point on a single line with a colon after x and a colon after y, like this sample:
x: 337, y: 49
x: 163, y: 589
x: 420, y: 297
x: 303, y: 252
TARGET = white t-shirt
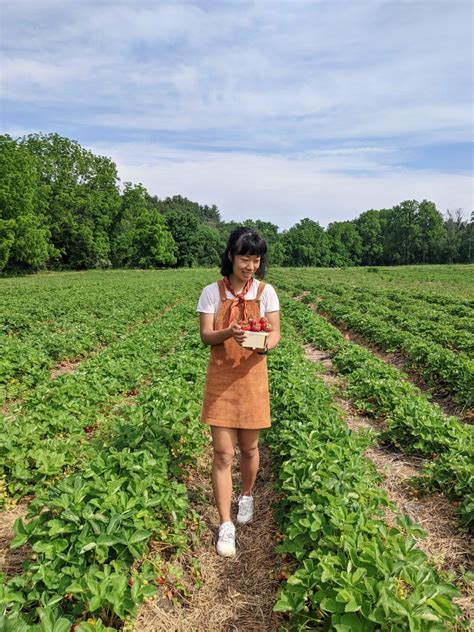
x: 210, y: 298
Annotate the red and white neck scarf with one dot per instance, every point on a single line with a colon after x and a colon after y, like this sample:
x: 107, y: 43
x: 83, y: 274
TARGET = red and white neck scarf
x: 238, y: 300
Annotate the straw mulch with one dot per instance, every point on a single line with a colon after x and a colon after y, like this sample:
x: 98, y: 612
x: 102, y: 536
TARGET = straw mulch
x: 11, y: 561
x: 397, y: 359
x: 237, y: 593
x: 448, y: 547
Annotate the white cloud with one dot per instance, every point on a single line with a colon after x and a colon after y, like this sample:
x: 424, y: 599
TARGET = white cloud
x: 244, y: 98
x: 284, y: 190
x: 305, y: 70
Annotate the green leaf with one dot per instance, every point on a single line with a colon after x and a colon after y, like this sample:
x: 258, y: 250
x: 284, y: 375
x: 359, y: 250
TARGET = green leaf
x: 88, y: 547
x: 331, y: 605
x: 139, y: 536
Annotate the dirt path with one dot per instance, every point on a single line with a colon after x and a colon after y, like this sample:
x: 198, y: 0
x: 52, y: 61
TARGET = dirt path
x: 397, y: 360
x: 448, y: 548
x: 11, y: 560
x: 237, y: 593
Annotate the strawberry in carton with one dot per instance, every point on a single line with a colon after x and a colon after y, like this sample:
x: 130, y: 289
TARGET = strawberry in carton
x: 257, y: 333
x: 265, y: 325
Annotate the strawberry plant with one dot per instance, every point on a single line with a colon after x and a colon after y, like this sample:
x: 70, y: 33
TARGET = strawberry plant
x: 354, y: 572
x: 415, y: 425
x: 87, y: 530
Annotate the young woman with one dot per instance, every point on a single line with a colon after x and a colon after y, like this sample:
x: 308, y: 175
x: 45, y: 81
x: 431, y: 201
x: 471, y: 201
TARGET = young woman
x: 236, y: 399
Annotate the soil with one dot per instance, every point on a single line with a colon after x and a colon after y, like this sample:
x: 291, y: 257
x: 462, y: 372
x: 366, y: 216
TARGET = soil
x: 399, y: 361
x: 237, y: 593
x: 448, y: 547
x: 11, y: 560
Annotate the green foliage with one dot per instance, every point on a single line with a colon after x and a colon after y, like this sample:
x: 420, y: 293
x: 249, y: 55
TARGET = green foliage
x: 353, y: 572
x: 82, y: 200
x: 306, y: 244
x: 414, y: 424
x: 435, y: 341
x: 61, y: 207
x: 345, y: 244
x: 88, y: 530
x: 24, y: 234
x: 103, y: 496
x: 141, y: 237
x: 49, y: 437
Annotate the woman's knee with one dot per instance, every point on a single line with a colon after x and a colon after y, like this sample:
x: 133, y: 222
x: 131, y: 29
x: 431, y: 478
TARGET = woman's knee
x: 223, y: 458
x: 249, y: 452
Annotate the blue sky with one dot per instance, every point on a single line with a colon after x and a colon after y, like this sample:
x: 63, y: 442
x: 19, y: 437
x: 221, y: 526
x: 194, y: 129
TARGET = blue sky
x: 268, y: 109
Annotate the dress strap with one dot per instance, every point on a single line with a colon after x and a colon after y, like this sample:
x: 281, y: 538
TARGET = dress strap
x: 260, y: 289
x: 221, y: 285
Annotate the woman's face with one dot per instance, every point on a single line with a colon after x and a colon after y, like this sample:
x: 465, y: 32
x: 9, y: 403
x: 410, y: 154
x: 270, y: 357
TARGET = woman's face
x: 245, y: 266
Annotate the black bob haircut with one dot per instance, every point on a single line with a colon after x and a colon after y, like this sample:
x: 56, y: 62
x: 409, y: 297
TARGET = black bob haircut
x: 244, y: 241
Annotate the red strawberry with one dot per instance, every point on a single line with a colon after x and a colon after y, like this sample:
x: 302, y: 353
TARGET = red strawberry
x: 267, y: 327
x: 251, y: 321
x: 245, y: 326
x: 256, y: 327
x: 130, y: 581
x: 88, y: 429
x: 282, y: 576
x: 263, y: 320
x: 160, y: 580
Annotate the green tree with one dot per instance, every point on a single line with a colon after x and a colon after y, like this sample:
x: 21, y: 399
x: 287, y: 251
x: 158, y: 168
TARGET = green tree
x: 24, y: 234
x: 83, y: 199
x: 345, y: 244
x: 306, y: 244
x: 371, y: 225
x: 457, y: 246
x: 432, y: 232
x: 402, y: 233
x: 210, y: 247
x: 467, y: 245
x: 195, y: 229
x: 141, y: 237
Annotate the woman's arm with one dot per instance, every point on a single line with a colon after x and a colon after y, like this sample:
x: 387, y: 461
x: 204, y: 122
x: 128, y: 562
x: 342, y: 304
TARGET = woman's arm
x: 211, y: 336
x: 274, y: 335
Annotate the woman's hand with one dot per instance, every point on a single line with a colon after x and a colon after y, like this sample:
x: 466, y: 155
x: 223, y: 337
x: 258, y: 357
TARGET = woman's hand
x: 236, y: 332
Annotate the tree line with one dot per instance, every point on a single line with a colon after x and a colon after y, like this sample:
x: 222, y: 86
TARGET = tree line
x: 62, y: 207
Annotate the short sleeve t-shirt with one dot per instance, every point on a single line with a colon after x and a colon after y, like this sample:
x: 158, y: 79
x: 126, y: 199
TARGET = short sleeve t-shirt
x: 209, y: 300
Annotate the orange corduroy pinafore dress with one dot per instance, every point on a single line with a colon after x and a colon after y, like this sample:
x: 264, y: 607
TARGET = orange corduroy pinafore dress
x: 236, y: 388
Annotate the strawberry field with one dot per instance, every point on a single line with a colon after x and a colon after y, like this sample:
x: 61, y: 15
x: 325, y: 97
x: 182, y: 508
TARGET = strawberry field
x: 101, y: 379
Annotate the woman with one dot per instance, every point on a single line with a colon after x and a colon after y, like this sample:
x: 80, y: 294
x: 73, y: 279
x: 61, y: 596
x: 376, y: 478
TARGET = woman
x: 236, y: 398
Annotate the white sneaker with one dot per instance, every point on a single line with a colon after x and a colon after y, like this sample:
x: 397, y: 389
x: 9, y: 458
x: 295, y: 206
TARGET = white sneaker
x: 245, y: 513
x: 226, y: 541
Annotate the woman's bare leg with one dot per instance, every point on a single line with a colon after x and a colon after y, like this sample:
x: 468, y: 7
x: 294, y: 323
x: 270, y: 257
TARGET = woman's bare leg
x: 249, y: 458
x: 224, y: 440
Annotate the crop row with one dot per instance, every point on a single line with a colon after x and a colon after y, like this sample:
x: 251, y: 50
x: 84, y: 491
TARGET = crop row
x: 415, y: 425
x: 440, y: 367
x: 447, y: 331
x: 70, y: 319
x: 447, y: 287
x: 355, y: 573
x: 403, y: 302
x: 88, y: 530
x: 417, y: 322
x: 49, y: 434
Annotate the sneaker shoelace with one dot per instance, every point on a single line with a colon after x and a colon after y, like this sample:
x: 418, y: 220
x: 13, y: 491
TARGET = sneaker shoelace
x: 226, y: 533
x: 245, y: 504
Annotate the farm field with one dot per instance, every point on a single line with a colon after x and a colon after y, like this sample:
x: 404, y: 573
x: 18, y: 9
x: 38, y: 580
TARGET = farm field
x: 103, y: 459
x: 424, y: 312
